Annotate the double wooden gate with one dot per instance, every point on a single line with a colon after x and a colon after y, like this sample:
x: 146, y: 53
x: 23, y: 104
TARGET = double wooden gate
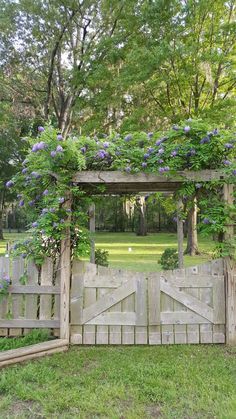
x: 111, y: 306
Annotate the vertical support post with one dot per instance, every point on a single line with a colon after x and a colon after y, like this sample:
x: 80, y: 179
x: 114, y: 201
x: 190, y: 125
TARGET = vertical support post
x: 92, y: 229
x: 230, y: 276
x: 65, y: 265
x: 180, y: 233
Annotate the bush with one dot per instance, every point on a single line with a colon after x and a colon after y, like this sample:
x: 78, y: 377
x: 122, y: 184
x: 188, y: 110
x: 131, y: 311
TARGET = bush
x: 169, y: 259
x: 101, y: 257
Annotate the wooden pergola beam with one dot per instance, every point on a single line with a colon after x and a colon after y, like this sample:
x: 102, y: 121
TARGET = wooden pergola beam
x: 118, y: 182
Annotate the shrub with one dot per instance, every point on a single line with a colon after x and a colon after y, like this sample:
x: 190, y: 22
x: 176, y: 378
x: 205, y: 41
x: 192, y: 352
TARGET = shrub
x: 101, y: 257
x: 169, y: 259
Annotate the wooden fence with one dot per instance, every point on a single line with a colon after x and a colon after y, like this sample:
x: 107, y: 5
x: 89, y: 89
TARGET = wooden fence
x: 33, y: 300
x: 111, y: 306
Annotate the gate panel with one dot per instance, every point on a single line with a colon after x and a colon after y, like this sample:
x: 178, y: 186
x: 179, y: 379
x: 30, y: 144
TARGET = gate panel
x: 111, y: 306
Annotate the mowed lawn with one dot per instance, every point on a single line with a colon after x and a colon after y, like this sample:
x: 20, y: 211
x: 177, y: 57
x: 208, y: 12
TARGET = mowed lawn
x: 178, y: 382
x: 124, y: 382
x: 128, y: 251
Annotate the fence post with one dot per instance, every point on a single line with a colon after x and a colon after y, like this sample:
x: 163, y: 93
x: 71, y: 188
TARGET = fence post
x: 230, y: 276
x: 92, y: 228
x: 180, y: 233
x: 65, y: 265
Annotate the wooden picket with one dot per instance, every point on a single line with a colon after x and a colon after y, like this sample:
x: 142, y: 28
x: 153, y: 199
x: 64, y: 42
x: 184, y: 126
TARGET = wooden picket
x: 32, y: 303
x: 111, y: 306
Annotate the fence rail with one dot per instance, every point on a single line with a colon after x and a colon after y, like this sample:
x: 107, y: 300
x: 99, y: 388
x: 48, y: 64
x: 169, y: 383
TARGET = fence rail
x: 34, y: 297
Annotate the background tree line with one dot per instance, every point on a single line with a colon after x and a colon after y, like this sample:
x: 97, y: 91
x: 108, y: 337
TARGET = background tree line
x: 95, y: 66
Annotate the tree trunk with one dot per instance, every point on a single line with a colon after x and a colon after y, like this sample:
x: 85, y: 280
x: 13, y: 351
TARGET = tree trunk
x: 192, y: 241
x: 142, y: 223
x: 1, y: 215
x: 1, y: 225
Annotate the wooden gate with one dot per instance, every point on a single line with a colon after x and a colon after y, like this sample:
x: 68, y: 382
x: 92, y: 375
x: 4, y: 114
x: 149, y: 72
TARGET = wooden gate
x: 111, y: 306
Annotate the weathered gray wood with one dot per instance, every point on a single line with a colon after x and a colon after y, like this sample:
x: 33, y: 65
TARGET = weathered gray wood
x: 141, y: 301
x: 193, y: 330
x: 77, y: 292
x: 154, y: 302
x: 65, y: 266
x: 89, y: 331
x: 180, y: 233
x: 45, y: 309
x: 102, y: 331
x: 92, y: 228
x: 31, y: 301
x: 193, y: 303
x: 32, y: 356
x: 4, y: 271
x: 116, y: 177
x: 182, y: 317
x: 108, y: 301
x: 31, y: 324
x: 27, y: 350
x: 219, y: 300
x: 230, y: 278
x: 17, y: 300
x: 114, y: 318
x: 34, y: 289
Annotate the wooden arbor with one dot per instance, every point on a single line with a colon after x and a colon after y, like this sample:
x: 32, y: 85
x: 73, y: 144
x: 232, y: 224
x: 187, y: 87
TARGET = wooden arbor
x: 116, y: 182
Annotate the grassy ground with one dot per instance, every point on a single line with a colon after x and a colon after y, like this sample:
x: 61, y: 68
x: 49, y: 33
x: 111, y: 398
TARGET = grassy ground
x: 170, y: 382
x: 185, y: 382
x: 36, y: 336
x: 128, y: 251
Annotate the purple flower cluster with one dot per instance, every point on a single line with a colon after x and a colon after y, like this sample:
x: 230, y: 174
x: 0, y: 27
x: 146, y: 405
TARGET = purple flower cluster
x: 46, y: 192
x: 61, y: 200
x: 228, y: 146
x: 21, y: 203
x: 174, y: 153
x: 9, y: 183
x: 164, y: 169
x: 36, y: 175
x: 187, y: 129
x: 227, y: 162
x: 41, y: 129
x: 106, y: 144
x: 102, y: 154
x: 24, y: 171
x: 205, y: 140
x: 128, y: 138
x: 144, y: 164
x: 39, y: 146
x: 58, y: 150
x: 59, y: 137
x: 83, y: 150
x: 206, y: 221
x: 150, y: 134
x: 34, y: 224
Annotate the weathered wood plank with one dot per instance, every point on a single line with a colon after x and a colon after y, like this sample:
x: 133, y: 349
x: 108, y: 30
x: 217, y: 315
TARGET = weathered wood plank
x: 45, y: 309
x: 154, y: 302
x: 89, y: 331
x: 141, y: 301
x: 31, y: 324
x: 102, y: 331
x: 167, y: 331
x: 34, y: 289
x: 114, y: 318
x: 27, y: 350
x: 77, y: 292
x: 230, y: 278
x: 31, y: 301
x: 4, y: 271
x: 180, y: 233
x: 219, y: 300
x: 18, y: 303
x: 117, y: 177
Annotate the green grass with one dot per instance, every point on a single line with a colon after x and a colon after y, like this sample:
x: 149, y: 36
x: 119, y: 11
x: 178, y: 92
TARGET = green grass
x: 35, y: 336
x: 192, y: 382
x: 145, y: 251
